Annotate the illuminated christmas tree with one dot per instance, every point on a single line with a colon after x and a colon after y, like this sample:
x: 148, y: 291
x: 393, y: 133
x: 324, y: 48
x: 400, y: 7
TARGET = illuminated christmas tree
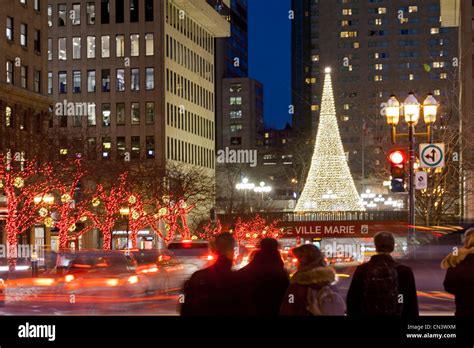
x: 329, y: 185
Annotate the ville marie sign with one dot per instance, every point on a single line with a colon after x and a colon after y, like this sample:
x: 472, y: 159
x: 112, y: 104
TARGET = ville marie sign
x: 340, y: 229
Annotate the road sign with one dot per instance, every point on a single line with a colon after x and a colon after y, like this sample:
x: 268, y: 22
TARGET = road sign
x: 421, y: 180
x: 432, y: 155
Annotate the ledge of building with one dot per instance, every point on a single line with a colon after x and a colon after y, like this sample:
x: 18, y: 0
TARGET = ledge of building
x: 15, y: 95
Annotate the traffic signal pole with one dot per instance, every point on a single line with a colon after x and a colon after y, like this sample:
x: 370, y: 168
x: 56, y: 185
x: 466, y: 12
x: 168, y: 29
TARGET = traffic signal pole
x: 411, y: 194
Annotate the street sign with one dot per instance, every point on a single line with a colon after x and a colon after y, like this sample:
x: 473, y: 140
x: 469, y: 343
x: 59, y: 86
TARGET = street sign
x: 421, y: 180
x: 432, y: 155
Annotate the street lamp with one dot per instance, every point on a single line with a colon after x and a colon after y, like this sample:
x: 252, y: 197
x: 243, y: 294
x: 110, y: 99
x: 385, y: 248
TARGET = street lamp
x: 245, y: 186
x: 411, y: 110
x: 125, y: 212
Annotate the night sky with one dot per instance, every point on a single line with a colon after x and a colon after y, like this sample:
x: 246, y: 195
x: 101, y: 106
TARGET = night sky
x: 270, y: 56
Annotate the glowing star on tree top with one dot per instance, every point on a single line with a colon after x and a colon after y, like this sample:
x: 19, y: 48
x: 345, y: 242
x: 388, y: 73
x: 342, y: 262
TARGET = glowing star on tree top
x: 329, y: 185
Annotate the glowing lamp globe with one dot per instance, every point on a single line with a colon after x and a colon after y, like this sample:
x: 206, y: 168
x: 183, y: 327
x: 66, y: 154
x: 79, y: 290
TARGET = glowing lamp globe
x: 327, y: 70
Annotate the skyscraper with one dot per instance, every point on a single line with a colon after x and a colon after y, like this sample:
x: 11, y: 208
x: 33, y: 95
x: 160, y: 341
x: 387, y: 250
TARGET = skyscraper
x: 141, y: 77
x: 375, y: 48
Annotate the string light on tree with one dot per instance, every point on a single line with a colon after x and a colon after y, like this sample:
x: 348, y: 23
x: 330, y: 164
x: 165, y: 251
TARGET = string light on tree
x: 329, y: 185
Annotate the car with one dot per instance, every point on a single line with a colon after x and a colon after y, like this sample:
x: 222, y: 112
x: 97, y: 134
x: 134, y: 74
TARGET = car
x: 193, y: 254
x: 99, y: 275
x: 161, y: 269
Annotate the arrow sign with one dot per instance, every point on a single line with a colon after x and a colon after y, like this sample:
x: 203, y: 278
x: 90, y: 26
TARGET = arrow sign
x: 432, y: 155
x: 421, y: 180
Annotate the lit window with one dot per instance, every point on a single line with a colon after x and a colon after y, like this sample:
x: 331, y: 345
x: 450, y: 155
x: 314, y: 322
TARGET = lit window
x: 315, y: 58
x: 235, y: 100
x: 378, y: 66
x: 314, y: 107
x: 10, y: 28
x: 90, y: 9
x: 106, y: 115
x: 413, y: 9
x: 443, y: 76
x: 62, y: 82
x: 348, y: 34
x: 91, y: 81
x: 50, y: 49
x: 8, y: 116
x: 382, y: 10
x: 378, y: 21
x: 149, y: 44
x: 437, y: 65
x: 235, y: 88
x: 91, y: 47
x: 437, y: 92
x: 120, y: 80
x: 91, y: 117
x: 135, y: 113
x: 23, y: 35
x: 378, y: 78
x: 62, y: 48
x: 76, y: 81
x: 355, y: 45
x: 347, y: 106
x: 76, y: 48
x: 135, y: 79
x: 150, y: 78
x: 434, y: 31
x: 236, y: 114
x: 347, y: 12
x: 235, y: 128
x: 344, y: 23
x: 120, y: 45
x: 411, y: 77
x: 106, y: 46
x: 76, y: 14
x: 134, y: 45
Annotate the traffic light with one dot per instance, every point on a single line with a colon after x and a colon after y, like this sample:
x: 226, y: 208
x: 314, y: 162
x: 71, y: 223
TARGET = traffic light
x: 397, y: 159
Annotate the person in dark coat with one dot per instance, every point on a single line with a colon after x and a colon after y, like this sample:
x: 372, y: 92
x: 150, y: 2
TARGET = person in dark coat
x: 264, y: 281
x: 459, y: 279
x: 357, y: 296
x: 312, y: 272
x: 212, y: 291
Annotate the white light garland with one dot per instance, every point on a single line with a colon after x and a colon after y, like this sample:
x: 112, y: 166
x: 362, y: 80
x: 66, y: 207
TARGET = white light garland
x: 329, y: 185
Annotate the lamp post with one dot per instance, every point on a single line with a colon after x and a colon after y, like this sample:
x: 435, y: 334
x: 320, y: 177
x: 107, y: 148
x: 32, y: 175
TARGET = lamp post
x: 262, y: 188
x: 411, y: 110
x: 125, y: 212
x: 245, y: 186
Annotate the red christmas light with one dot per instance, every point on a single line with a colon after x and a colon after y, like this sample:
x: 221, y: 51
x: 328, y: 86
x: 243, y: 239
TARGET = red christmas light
x: 21, y: 184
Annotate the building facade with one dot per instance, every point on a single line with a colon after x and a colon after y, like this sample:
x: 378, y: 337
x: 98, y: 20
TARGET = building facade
x: 460, y: 14
x: 388, y: 47
x: 135, y: 79
x: 242, y: 124
x: 231, y: 58
x: 23, y: 77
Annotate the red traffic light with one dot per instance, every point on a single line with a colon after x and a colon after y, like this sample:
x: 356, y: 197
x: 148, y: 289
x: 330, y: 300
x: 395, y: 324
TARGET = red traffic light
x: 397, y: 157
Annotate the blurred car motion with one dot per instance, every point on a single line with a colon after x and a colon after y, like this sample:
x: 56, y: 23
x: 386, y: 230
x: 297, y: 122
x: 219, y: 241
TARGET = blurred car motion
x: 193, y: 255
